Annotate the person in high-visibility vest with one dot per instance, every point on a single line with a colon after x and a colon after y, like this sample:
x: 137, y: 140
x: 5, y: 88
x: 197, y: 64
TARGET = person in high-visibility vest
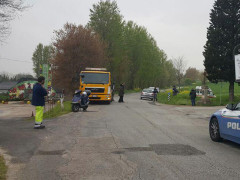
x: 39, y: 102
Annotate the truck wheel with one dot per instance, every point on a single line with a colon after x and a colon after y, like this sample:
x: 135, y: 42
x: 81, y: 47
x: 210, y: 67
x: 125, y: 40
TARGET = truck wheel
x: 214, y: 130
x: 75, y: 107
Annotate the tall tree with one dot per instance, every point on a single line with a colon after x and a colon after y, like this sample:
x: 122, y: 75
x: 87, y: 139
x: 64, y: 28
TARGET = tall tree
x: 8, y: 10
x: 222, y: 36
x: 105, y: 19
x: 75, y: 48
x: 133, y: 53
x: 41, y: 55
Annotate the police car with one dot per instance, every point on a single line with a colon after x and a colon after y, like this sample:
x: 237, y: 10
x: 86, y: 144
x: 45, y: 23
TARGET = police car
x: 225, y: 124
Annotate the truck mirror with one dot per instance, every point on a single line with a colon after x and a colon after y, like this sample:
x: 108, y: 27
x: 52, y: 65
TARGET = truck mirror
x: 82, y: 75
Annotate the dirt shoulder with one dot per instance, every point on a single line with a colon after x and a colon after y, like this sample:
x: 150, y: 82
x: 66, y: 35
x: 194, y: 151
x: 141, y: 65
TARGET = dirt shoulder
x: 15, y: 110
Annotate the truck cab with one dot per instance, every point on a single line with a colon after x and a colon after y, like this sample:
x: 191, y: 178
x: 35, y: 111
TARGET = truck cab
x: 98, y: 81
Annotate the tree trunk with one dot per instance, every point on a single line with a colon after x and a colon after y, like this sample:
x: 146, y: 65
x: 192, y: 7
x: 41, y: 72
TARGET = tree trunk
x: 231, y: 91
x: 179, y: 83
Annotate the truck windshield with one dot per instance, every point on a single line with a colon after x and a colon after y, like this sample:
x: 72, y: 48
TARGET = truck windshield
x: 95, y: 78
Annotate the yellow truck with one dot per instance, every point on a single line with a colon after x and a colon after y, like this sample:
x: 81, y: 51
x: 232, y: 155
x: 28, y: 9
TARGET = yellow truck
x: 98, y: 81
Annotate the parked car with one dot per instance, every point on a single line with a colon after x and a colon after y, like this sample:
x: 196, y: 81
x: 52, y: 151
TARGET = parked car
x: 152, y: 88
x: 225, y: 124
x: 147, y: 94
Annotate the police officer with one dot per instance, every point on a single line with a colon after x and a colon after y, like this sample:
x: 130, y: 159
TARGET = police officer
x: 193, y: 96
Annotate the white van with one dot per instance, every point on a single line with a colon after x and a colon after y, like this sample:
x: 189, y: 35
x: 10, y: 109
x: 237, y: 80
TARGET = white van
x: 199, y: 92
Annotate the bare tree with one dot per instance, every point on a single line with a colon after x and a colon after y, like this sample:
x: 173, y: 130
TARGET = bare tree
x: 180, y: 66
x: 8, y: 11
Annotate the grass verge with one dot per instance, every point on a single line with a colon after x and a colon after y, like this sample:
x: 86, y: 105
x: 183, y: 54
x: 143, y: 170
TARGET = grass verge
x: 221, y: 90
x: 3, y: 169
x: 56, y: 111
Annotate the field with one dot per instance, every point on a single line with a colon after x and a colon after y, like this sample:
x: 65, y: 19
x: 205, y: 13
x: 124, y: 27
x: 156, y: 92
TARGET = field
x: 220, y: 90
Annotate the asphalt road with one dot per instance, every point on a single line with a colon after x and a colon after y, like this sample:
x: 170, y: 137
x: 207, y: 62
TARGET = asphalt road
x: 132, y: 140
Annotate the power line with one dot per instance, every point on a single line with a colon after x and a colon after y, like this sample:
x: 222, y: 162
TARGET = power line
x: 7, y: 59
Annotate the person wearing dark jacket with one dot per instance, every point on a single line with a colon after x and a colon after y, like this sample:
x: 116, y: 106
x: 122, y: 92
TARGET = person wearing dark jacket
x: 155, y: 92
x: 193, y: 96
x: 121, y: 93
x: 175, y: 91
x: 39, y: 102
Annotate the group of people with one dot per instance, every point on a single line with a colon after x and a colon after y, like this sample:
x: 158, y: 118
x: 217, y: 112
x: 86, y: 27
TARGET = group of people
x: 192, y: 94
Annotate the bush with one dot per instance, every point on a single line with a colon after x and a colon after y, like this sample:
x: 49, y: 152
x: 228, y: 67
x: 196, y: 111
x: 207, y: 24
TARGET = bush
x: 4, y: 97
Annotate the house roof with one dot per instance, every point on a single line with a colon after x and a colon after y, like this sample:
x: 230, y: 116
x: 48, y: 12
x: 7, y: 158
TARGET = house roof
x: 7, y: 85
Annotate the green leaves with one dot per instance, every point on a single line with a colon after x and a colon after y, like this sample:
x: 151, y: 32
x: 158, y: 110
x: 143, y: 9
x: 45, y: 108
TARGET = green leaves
x: 41, y: 55
x: 134, y: 56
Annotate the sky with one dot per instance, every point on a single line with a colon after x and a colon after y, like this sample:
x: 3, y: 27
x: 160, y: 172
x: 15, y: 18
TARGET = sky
x: 178, y: 26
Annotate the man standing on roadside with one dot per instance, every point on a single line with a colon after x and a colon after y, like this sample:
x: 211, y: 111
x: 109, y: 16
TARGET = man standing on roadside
x: 193, y: 96
x: 155, y: 92
x: 121, y: 93
x: 38, y: 101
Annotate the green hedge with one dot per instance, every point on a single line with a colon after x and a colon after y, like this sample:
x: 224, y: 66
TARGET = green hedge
x: 4, y: 97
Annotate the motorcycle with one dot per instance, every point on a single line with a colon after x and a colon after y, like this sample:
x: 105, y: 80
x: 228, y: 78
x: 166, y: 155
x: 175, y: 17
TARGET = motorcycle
x: 80, y: 100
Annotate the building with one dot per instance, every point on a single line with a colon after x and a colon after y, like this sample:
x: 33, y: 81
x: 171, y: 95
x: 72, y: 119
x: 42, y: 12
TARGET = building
x: 5, y: 86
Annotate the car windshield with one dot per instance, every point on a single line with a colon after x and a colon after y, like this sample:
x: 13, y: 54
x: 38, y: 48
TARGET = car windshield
x: 145, y: 90
x: 237, y: 107
x: 95, y: 78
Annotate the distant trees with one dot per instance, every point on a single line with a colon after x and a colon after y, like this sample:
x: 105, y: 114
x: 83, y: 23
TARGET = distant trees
x: 193, y: 74
x: 222, y: 36
x: 20, y: 76
x: 8, y: 10
x: 75, y: 48
x: 41, y: 55
x: 134, y: 57
x: 4, y: 77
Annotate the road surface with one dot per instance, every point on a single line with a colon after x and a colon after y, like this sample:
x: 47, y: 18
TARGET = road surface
x: 132, y: 140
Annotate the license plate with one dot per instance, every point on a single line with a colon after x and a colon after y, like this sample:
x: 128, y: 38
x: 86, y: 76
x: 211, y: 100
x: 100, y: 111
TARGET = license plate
x: 94, y: 95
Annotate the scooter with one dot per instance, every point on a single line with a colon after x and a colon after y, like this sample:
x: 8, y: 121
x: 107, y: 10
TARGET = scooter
x: 80, y: 101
